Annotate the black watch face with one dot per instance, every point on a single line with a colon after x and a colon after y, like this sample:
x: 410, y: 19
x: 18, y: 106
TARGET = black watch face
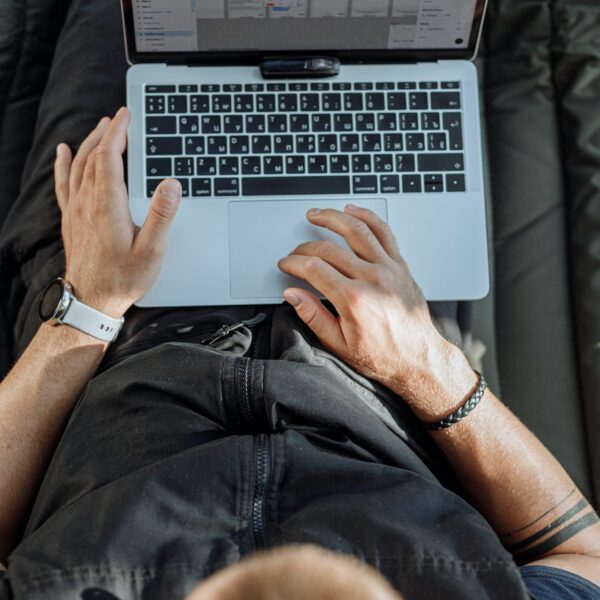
x: 50, y: 299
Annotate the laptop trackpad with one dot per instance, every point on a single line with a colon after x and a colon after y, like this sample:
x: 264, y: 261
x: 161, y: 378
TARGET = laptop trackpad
x: 260, y: 233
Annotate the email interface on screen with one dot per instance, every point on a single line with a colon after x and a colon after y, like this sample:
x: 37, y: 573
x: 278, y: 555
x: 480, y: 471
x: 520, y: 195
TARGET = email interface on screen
x: 238, y: 25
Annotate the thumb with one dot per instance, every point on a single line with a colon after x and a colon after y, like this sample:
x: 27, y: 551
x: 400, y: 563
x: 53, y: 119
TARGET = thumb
x: 322, y: 323
x: 155, y: 230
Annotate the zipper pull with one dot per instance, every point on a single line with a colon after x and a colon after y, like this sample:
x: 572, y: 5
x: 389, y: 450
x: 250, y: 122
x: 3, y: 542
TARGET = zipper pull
x: 226, y: 330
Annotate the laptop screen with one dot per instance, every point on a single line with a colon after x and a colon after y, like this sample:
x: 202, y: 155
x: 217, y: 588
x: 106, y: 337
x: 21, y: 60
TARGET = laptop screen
x: 206, y: 26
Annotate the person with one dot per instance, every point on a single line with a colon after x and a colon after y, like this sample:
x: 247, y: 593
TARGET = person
x: 165, y: 461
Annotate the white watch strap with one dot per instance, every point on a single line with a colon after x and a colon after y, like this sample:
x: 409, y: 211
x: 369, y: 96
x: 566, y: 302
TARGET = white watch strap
x: 91, y: 321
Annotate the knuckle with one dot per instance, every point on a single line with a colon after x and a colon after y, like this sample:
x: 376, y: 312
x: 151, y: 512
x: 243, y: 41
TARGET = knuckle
x: 312, y: 264
x: 327, y: 249
x: 354, y: 297
x: 162, y: 211
x: 360, y: 228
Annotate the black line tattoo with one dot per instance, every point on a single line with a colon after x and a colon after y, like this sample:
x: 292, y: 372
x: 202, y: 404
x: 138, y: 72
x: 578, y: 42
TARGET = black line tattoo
x: 548, y: 528
x: 559, y: 538
x: 541, y: 516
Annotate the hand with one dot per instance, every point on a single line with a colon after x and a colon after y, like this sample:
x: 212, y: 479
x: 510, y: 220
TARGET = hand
x: 383, y: 328
x: 110, y: 262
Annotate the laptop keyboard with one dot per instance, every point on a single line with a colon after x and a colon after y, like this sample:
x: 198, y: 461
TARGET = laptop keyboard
x: 267, y: 139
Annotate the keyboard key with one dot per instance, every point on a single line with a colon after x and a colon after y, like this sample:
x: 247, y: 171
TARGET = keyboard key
x: 371, y: 142
x: 415, y: 142
x: 453, y: 124
x: 304, y: 185
x: 361, y: 163
x: 261, y: 144
x: 441, y: 162
x: 383, y: 163
x: 201, y: 187
x: 277, y: 123
x: 177, y: 104
x: 233, y: 124
x: 185, y: 186
x: 434, y: 183
x: 407, y: 85
x: 232, y: 87
x: 411, y: 184
x: 364, y: 184
x: 405, y: 163
x: 339, y: 163
x: 428, y: 85
x: 436, y: 141
x: 450, y: 85
x: 276, y: 87
x: 385, y: 85
x: 210, y: 88
x: 243, y: 103
x: 239, y: 144
x: 206, y: 166
x: 321, y: 123
x: 272, y: 165
x: 445, y: 100
x: 305, y: 144
x: 295, y: 165
x: 343, y: 122
x: 353, y: 102
x: 188, y: 125
x: 200, y: 104
x: 386, y: 122
x: 389, y: 184
x: 211, y: 124
x: 309, y: 102
x: 392, y: 142
x: 216, y: 144
x: 194, y: 145
x: 162, y: 125
x: 298, y: 87
x: 396, y: 101
x: 250, y: 165
x: 328, y: 143
x: 265, y: 103
x: 455, y: 183
x: 299, y: 123
x: 350, y: 143
x: 155, y: 104
x: 229, y: 186
x: 320, y: 86
x: 317, y: 164
x: 284, y: 144
x: 375, y: 101
x: 151, y: 185
x: 254, y: 87
x: 287, y: 102
x: 222, y: 103
x: 256, y: 124
x: 409, y: 122
x: 418, y: 101
x: 331, y: 102
x: 184, y: 165
x: 365, y: 122
x: 363, y: 86
x: 187, y: 88
x: 229, y: 165
x: 158, y: 167
x: 169, y: 146
x: 341, y: 86
x: 430, y: 121
x: 160, y: 89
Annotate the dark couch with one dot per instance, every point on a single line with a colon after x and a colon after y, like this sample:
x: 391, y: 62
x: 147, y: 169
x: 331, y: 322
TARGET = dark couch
x: 540, y: 76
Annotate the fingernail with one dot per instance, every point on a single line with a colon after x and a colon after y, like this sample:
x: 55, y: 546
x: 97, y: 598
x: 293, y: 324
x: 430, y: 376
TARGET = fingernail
x: 313, y: 212
x: 171, y: 190
x: 350, y: 207
x: 292, y: 299
x: 59, y: 150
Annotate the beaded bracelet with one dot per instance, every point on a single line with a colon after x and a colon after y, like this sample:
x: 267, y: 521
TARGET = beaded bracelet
x: 470, y: 403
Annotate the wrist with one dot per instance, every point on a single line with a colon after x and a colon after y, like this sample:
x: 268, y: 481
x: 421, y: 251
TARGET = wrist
x: 440, y: 383
x: 105, y: 303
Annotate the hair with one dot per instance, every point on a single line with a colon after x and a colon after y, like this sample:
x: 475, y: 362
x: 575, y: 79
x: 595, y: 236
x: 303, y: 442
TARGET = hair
x: 296, y: 573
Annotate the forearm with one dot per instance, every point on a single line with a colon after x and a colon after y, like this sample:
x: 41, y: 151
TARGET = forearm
x: 504, y: 469
x: 36, y: 399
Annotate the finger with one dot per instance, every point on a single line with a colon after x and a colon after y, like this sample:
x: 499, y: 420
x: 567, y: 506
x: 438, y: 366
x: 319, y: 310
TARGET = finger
x: 356, y: 232
x: 322, y: 323
x: 153, y: 235
x: 89, y: 173
x: 379, y: 227
x: 110, y: 150
x: 80, y: 160
x: 62, y: 170
x: 344, y: 261
x: 321, y: 275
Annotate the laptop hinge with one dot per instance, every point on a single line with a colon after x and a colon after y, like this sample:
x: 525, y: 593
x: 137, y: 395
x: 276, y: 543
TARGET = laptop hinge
x: 301, y: 67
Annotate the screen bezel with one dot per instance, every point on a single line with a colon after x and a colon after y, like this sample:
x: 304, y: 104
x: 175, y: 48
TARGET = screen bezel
x: 241, y: 57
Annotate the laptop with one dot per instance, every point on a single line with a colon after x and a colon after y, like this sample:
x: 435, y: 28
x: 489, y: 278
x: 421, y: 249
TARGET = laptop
x: 263, y: 109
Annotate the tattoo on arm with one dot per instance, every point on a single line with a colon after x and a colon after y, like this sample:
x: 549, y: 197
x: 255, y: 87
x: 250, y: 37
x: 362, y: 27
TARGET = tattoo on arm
x: 550, y: 535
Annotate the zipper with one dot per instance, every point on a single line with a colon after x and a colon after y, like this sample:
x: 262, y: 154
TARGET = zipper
x: 226, y: 330
x: 263, y: 468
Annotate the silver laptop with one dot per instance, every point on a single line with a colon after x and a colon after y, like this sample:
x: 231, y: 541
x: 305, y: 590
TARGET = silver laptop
x: 264, y: 109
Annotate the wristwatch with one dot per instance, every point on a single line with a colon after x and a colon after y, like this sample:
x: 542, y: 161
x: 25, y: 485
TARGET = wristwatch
x: 59, y: 305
